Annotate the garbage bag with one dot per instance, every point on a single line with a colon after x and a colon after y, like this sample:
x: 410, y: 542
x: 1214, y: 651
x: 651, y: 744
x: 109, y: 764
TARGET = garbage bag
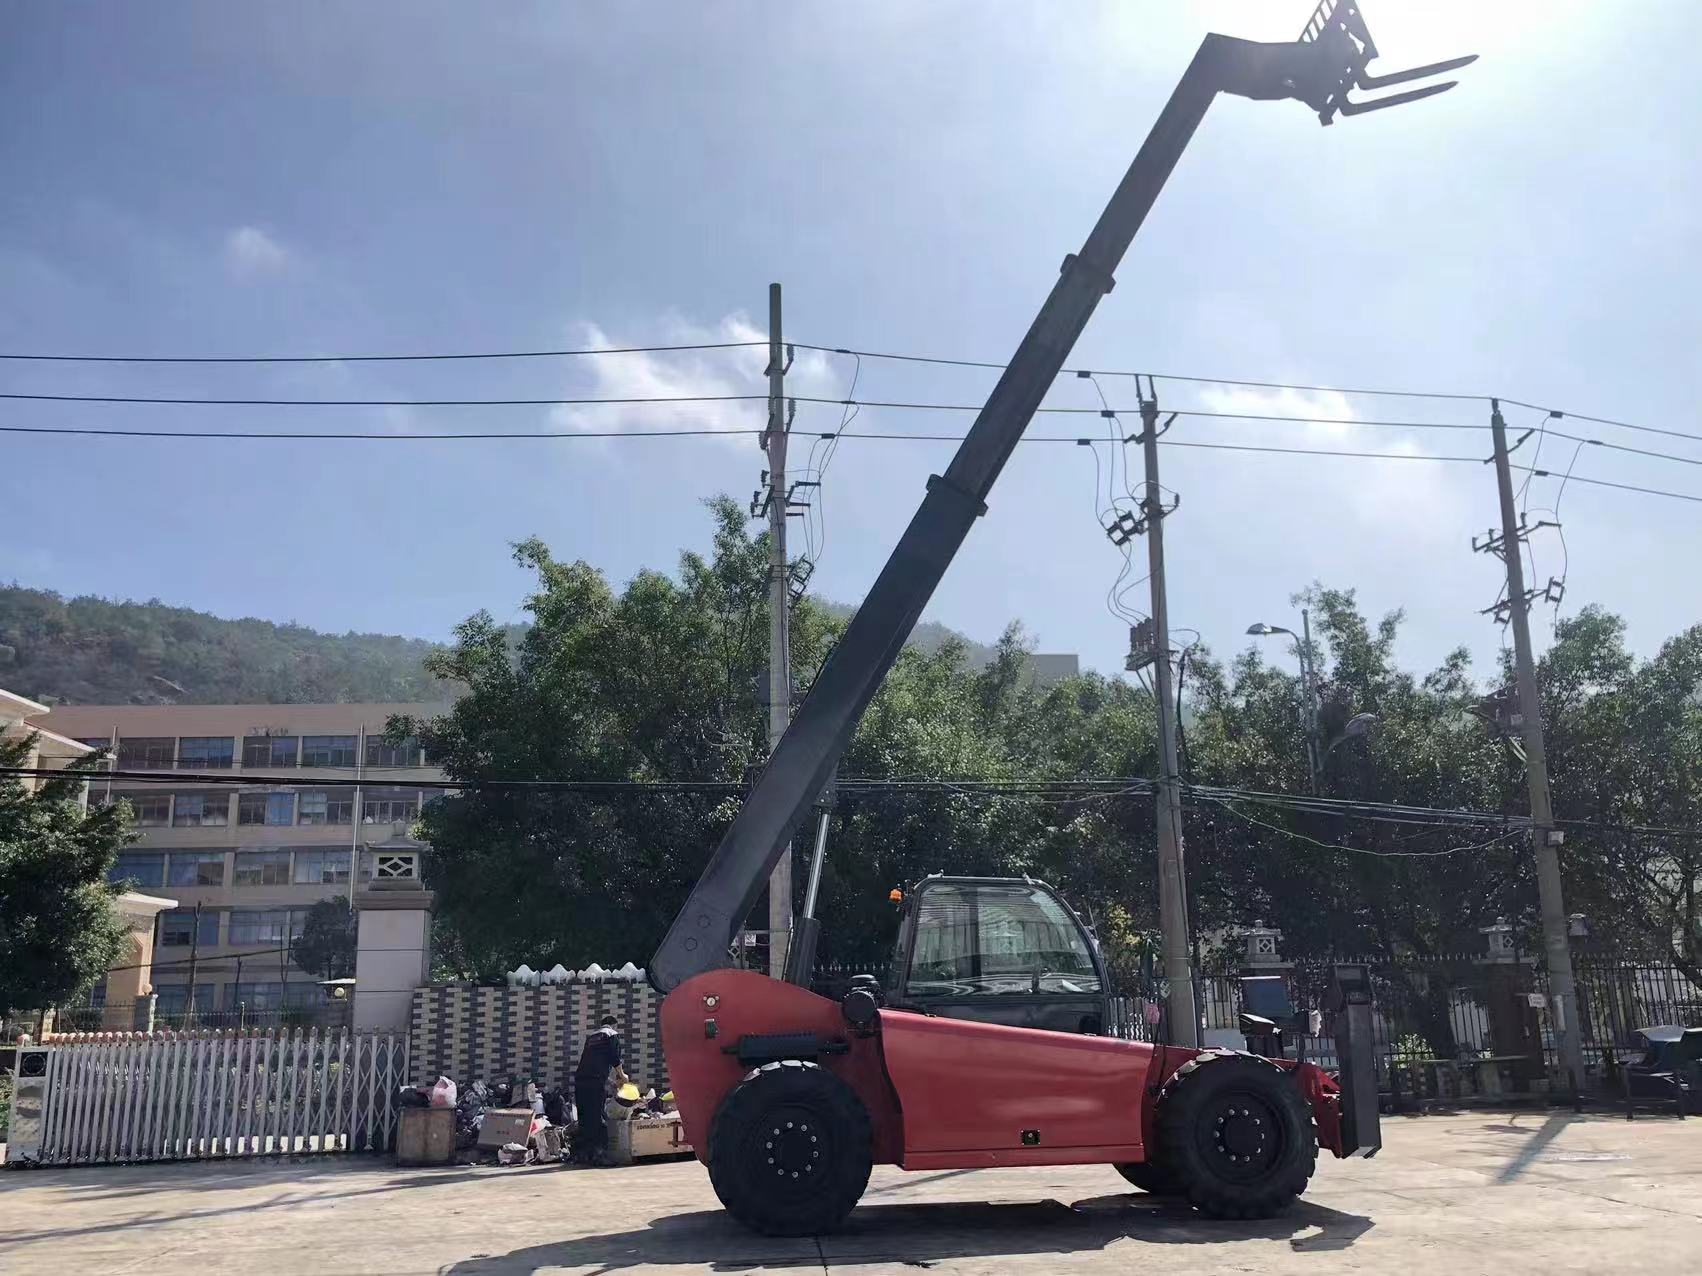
x: 443, y: 1093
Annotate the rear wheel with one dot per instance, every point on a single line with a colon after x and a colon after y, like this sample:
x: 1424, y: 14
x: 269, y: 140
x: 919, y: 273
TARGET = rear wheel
x: 790, y: 1150
x: 1237, y: 1135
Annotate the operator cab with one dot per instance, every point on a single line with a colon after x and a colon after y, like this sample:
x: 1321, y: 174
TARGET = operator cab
x: 998, y: 950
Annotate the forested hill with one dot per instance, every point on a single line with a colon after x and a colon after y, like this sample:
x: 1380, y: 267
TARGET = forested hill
x: 94, y: 651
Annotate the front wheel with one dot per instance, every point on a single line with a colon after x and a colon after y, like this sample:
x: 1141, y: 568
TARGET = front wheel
x: 1237, y: 1134
x: 790, y: 1150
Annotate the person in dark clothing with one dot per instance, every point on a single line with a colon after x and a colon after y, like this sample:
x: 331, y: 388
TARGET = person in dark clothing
x: 600, y: 1057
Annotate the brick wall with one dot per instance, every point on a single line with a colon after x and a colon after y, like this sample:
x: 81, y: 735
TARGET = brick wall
x: 492, y: 1034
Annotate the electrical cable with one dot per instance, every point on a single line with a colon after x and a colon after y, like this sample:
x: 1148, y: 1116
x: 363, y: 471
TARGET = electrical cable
x: 868, y: 435
x: 377, y: 358
x: 1377, y: 812
x: 374, y: 435
x: 826, y: 349
x: 1161, y: 376
x: 1229, y: 806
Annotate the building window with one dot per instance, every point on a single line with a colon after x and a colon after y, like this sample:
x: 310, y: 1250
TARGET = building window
x: 141, y: 867
x: 268, y: 996
x: 151, y: 810
x: 270, y: 750
x: 326, y: 808
x: 196, y: 868
x: 205, y: 753
x: 322, y: 867
x: 177, y: 929
x: 201, y: 810
x: 262, y: 868
x: 328, y: 750
x: 95, y: 741
x: 146, y: 753
x: 304, y: 996
x: 378, y: 753
x: 390, y: 808
x: 174, y: 998
x: 265, y: 808
x: 267, y: 927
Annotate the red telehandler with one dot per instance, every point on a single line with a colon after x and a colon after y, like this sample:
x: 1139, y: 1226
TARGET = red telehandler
x: 988, y: 1049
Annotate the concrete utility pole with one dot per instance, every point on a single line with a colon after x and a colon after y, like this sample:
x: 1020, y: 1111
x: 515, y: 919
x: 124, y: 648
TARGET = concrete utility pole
x: 1309, y: 701
x: 779, y: 618
x: 1545, y: 838
x: 1172, y: 866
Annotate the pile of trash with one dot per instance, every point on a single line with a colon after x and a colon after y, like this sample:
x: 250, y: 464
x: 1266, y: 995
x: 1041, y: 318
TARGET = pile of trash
x: 516, y: 1123
x: 523, y: 976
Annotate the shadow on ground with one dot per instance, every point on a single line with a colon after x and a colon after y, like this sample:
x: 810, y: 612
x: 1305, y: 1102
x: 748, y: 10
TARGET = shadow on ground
x: 921, y: 1235
x: 287, y: 1180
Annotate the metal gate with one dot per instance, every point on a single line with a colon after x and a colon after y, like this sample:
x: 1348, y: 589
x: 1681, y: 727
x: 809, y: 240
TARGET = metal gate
x: 107, y: 1098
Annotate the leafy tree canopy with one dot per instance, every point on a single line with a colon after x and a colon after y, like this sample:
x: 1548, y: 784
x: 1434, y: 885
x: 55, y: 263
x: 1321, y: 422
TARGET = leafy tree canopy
x: 659, y: 681
x: 326, y: 947
x: 58, y: 930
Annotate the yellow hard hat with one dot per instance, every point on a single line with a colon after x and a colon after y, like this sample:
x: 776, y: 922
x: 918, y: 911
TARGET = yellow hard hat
x: 628, y: 1093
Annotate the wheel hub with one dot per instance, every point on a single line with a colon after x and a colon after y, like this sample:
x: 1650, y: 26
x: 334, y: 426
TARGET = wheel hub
x: 792, y: 1148
x: 1241, y: 1136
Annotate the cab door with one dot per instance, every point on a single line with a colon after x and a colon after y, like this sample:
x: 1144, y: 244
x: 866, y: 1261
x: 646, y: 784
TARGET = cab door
x: 999, y: 950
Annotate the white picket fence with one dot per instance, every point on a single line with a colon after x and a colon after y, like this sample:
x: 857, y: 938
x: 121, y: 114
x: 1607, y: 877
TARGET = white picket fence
x: 169, y: 1096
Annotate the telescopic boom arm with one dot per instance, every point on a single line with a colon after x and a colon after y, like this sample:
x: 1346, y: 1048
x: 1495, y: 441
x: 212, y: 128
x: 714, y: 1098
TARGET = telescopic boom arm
x: 1318, y: 69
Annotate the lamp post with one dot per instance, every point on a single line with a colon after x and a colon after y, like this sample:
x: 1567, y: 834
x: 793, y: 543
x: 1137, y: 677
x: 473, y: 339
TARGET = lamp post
x: 1308, y: 686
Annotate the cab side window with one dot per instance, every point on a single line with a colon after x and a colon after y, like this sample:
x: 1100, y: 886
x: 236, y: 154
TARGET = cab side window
x: 997, y: 939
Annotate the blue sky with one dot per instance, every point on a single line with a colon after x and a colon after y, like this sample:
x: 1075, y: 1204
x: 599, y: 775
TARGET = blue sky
x: 229, y: 179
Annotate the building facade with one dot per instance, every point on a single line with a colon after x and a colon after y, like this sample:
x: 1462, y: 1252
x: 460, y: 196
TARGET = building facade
x: 312, y: 789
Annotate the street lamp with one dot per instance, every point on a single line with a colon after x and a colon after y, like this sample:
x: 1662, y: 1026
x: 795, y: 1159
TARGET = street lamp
x: 1308, y: 686
x: 1358, y: 725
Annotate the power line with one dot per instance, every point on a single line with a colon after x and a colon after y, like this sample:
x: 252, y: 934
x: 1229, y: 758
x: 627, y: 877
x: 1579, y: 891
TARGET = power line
x: 1160, y: 376
x: 20, y: 356
x: 874, y: 436
x: 1113, y: 786
x: 1603, y: 420
x: 375, y: 436
x: 393, y: 403
x: 375, y: 358
x: 1229, y: 806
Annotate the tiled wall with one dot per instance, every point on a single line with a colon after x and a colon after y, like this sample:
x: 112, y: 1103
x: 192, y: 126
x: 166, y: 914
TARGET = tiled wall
x: 492, y: 1034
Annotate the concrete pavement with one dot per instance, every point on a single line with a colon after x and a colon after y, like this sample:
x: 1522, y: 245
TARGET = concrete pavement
x: 1490, y: 1193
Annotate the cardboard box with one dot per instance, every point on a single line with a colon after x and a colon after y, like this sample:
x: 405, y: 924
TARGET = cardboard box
x: 505, y: 1125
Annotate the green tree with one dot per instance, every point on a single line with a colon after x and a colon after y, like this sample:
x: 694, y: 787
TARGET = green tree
x: 326, y: 947
x: 58, y: 930
x: 658, y: 681
x: 654, y: 682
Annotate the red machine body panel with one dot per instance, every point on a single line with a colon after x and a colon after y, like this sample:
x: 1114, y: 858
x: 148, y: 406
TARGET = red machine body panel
x: 742, y: 1002
x: 943, y: 1093
x: 987, y: 1094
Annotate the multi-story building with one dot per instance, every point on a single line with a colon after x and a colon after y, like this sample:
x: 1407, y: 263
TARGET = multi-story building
x: 251, y: 855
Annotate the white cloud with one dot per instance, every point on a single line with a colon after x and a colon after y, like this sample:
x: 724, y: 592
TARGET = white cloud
x: 251, y: 253
x: 689, y: 375
x: 1415, y: 501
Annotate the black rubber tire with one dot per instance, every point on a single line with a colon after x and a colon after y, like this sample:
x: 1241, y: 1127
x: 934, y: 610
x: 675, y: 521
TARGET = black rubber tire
x: 1237, y: 1134
x: 1150, y: 1177
x: 790, y: 1150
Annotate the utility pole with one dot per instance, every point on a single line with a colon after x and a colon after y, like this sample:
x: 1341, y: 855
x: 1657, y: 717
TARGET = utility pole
x: 1309, y: 702
x: 779, y: 617
x: 1546, y: 840
x: 1172, y: 867
x: 194, y: 954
